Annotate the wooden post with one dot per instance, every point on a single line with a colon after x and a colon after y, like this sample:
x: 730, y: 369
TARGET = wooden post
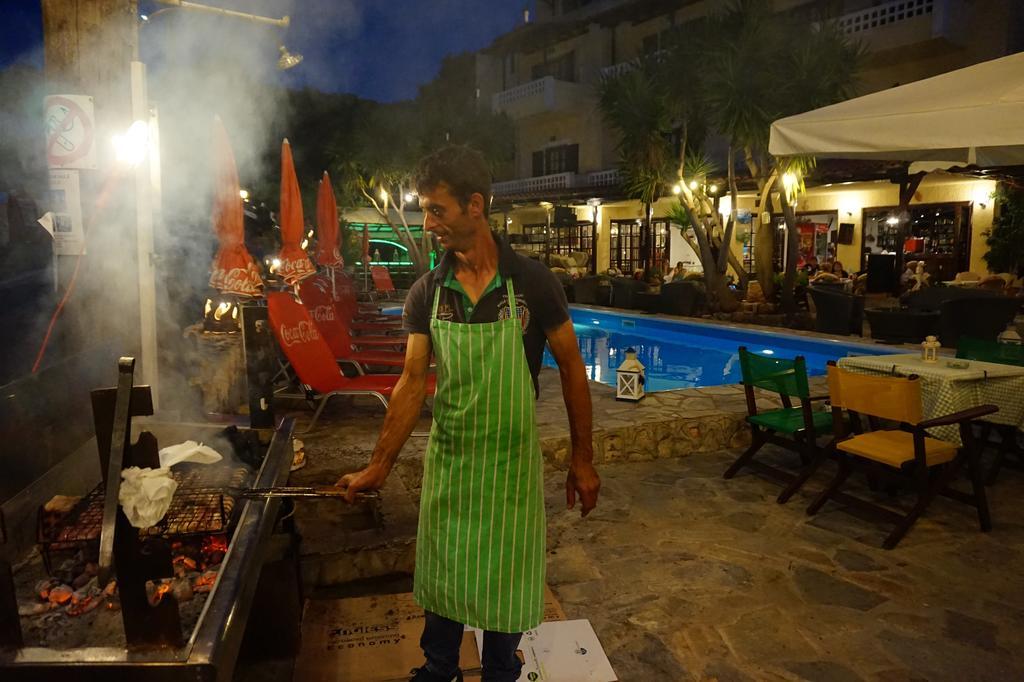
x: 88, y: 48
x: 908, y: 187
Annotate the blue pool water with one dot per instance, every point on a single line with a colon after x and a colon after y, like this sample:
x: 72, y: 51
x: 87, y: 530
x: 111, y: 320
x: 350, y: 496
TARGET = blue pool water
x: 688, y: 354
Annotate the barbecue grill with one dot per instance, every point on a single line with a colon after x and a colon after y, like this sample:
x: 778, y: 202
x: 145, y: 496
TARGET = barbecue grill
x: 255, y: 599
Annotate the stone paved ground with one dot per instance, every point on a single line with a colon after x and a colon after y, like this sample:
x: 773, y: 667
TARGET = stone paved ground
x: 687, y: 576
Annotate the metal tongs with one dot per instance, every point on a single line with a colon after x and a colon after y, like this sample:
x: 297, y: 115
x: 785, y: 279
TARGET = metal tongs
x: 306, y: 491
x: 294, y: 491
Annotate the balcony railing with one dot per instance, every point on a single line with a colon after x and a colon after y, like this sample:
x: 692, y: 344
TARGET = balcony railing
x: 884, y: 14
x: 899, y: 23
x: 616, y: 70
x: 556, y: 182
x: 539, y: 96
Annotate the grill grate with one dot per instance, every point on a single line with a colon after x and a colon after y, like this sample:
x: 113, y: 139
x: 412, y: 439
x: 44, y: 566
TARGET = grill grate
x: 195, y: 510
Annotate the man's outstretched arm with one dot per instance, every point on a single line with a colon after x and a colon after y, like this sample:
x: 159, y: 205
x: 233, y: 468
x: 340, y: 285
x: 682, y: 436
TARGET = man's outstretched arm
x: 403, y: 412
x: 582, y: 479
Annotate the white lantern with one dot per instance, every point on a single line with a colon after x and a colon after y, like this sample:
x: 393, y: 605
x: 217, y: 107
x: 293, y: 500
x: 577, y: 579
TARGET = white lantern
x: 1009, y: 335
x: 930, y: 349
x: 629, y: 378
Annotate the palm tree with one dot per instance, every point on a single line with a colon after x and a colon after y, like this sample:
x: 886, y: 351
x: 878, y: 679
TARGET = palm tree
x: 750, y: 65
x: 635, y: 105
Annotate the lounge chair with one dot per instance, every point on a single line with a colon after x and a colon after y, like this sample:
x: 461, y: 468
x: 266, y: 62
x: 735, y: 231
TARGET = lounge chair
x: 929, y: 463
x: 624, y: 290
x: 316, y: 298
x: 383, y: 286
x: 981, y: 317
x: 681, y: 298
x: 313, y: 362
x: 585, y: 290
x: 837, y: 312
x: 902, y: 326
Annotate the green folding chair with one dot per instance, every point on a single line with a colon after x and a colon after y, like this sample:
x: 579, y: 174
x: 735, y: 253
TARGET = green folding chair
x: 793, y: 428
x: 969, y: 348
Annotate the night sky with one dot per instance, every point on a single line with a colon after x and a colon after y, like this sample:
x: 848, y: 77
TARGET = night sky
x: 379, y: 49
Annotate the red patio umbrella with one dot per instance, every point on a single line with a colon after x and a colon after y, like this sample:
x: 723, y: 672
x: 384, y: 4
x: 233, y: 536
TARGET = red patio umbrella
x: 233, y: 271
x: 327, y: 253
x: 295, y: 265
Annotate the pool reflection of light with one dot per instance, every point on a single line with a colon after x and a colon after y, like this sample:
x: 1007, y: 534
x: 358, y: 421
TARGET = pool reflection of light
x: 686, y: 355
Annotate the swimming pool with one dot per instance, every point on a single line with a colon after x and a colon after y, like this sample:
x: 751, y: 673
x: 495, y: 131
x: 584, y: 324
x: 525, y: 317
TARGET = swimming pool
x: 680, y: 354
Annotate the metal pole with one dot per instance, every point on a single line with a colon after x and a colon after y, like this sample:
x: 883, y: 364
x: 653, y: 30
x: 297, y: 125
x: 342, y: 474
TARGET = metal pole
x: 144, y: 239
x: 282, y: 22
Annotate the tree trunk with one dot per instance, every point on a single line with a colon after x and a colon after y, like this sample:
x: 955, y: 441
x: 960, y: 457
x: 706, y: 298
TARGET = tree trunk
x: 723, y: 253
x: 789, y: 304
x: 764, y: 244
x: 764, y: 236
x: 720, y: 297
x: 647, y: 260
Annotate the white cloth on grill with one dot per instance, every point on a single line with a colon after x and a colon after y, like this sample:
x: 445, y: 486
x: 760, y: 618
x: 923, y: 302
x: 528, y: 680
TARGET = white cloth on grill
x: 189, y: 451
x: 146, y: 495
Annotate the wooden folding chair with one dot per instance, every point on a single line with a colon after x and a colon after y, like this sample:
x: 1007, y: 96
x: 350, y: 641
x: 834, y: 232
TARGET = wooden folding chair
x: 969, y: 348
x: 907, y: 450
x: 794, y: 428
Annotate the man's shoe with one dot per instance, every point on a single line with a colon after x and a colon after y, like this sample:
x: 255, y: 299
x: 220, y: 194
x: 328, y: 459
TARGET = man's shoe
x: 424, y: 675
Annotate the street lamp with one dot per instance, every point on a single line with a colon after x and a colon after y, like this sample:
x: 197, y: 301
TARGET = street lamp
x: 131, y: 147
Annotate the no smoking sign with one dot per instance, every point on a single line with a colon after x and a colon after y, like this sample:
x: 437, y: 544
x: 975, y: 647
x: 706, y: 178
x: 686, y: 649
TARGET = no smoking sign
x: 70, y: 132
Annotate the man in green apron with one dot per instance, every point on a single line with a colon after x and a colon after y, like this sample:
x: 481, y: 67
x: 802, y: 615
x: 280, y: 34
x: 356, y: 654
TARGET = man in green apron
x: 485, y: 313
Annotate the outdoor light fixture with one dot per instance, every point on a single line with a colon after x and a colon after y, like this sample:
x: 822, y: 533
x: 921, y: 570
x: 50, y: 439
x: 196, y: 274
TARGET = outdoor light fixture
x: 694, y: 185
x: 713, y: 189
x: 409, y: 197
x: 244, y: 193
x: 287, y: 60
x: 892, y: 220
x: 383, y: 194
x: 676, y: 189
x: 131, y: 147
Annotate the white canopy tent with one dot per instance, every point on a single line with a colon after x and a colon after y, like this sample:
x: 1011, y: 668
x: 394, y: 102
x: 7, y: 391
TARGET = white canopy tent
x: 974, y: 115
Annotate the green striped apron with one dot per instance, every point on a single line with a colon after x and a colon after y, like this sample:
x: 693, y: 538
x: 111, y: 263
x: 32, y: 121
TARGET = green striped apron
x: 481, y: 537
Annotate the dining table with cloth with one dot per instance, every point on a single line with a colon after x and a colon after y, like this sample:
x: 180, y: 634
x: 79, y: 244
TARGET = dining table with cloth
x: 946, y: 389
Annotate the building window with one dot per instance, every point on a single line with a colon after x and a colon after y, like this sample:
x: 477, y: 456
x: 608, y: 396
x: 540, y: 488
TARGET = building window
x: 561, y: 159
x: 576, y: 237
x: 627, y: 244
x: 938, y: 234
x: 563, y: 68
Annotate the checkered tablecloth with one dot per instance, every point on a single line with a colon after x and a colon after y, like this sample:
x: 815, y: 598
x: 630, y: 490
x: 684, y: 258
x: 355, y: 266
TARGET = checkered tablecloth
x: 945, y: 389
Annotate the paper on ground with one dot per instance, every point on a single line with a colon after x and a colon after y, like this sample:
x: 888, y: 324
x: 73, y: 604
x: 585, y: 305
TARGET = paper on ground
x: 189, y: 451
x: 561, y: 651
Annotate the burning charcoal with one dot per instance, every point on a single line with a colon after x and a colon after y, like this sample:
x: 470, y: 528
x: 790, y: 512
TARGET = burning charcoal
x: 44, y: 586
x: 85, y: 600
x: 183, y: 565
x: 182, y: 589
x: 111, y: 589
x: 204, y: 583
x: 61, y: 594
x: 34, y: 609
x: 155, y: 591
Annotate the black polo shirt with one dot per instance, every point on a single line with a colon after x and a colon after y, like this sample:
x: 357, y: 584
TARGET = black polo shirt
x: 539, y: 297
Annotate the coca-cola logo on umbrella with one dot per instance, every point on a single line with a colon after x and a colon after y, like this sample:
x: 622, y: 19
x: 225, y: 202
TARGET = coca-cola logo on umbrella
x: 323, y: 313
x: 303, y: 332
